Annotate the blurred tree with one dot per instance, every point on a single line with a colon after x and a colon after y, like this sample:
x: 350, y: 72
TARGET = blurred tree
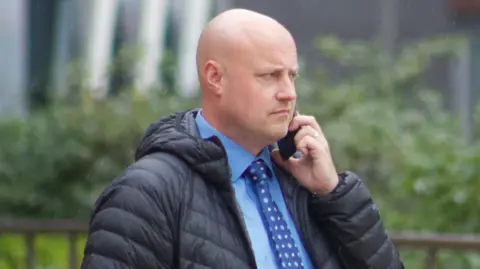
x: 394, y: 130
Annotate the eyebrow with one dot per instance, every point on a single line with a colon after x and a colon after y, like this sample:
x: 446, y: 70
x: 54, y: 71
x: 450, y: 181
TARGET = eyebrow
x: 281, y: 68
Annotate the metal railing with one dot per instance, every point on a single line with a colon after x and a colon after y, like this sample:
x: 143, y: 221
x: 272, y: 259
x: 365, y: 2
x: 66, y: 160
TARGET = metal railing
x: 431, y: 243
x: 30, y: 229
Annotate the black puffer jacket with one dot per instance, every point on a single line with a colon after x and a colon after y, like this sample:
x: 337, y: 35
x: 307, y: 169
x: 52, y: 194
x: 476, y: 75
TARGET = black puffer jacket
x: 175, y: 208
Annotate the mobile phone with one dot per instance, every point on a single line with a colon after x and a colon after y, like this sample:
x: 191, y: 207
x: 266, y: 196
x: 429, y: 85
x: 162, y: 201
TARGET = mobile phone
x: 286, y: 145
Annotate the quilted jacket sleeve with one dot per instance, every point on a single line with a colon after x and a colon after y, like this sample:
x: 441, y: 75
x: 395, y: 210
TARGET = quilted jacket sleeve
x: 130, y: 227
x: 353, y: 223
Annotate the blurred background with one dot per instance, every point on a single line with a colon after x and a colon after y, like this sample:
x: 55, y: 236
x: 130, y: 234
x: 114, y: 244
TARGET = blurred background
x: 394, y: 83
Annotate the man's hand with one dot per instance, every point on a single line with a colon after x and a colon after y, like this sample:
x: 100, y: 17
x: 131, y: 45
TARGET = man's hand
x: 315, y: 169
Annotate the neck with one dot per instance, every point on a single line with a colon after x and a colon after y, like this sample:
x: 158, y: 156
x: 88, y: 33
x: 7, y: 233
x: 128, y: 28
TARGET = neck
x: 246, y: 140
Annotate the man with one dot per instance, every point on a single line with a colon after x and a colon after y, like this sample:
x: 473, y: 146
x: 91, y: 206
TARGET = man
x: 208, y: 191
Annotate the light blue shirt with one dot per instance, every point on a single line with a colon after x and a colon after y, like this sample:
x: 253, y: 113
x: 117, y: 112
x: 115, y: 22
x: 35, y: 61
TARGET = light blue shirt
x: 239, y: 159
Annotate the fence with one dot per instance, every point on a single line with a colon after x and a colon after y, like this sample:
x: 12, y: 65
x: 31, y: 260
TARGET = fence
x: 431, y: 243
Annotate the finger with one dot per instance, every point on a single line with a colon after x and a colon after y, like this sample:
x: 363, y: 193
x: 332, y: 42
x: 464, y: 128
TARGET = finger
x: 312, y: 147
x: 308, y: 130
x: 302, y: 120
x: 304, y: 131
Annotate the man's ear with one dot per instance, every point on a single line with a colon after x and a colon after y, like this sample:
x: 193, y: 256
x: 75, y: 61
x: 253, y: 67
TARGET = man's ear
x: 213, y: 76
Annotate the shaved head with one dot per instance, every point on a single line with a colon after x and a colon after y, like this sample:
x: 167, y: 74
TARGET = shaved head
x: 232, y: 30
x: 246, y: 63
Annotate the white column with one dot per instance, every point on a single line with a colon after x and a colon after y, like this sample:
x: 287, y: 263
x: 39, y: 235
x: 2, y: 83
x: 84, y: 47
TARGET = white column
x: 462, y: 88
x: 13, y: 52
x: 195, y: 15
x: 62, y: 54
x: 151, y: 38
x: 99, y: 44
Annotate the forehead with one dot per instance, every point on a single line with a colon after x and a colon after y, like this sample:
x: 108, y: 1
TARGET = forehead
x: 273, y: 49
x: 276, y: 58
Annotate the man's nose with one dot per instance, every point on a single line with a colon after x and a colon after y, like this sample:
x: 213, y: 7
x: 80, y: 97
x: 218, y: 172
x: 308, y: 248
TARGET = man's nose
x: 287, y: 91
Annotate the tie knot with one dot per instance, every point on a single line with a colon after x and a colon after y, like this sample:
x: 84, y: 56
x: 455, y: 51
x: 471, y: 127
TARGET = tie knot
x: 258, y: 171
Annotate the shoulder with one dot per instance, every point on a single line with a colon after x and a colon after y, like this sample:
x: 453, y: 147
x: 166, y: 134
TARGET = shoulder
x: 155, y: 181
x: 137, y: 214
x: 156, y: 172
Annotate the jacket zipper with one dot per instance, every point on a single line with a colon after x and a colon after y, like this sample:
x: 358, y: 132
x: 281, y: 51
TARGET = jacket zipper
x: 233, y: 204
x: 246, y: 238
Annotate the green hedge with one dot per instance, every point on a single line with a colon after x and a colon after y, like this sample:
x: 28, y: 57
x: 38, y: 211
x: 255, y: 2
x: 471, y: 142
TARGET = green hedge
x: 382, y: 122
x: 60, y: 159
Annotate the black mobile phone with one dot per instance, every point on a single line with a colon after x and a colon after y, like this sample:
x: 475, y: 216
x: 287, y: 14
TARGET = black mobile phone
x: 286, y: 145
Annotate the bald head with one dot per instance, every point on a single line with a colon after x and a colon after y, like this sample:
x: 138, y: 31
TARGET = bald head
x: 246, y: 64
x: 234, y: 31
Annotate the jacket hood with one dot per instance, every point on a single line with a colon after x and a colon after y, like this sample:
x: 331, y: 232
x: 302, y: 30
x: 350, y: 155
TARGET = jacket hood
x: 178, y: 135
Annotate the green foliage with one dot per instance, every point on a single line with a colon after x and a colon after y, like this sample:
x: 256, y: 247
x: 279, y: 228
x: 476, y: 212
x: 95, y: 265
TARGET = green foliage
x: 382, y: 121
x: 55, y: 163
x: 385, y: 123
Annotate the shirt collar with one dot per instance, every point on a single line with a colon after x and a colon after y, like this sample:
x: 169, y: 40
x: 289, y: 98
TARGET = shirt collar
x: 238, y: 158
x: 266, y: 157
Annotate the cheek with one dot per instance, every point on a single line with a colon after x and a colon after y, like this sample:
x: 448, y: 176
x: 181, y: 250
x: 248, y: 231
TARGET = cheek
x: 249, y: 99
x: 235, y: 103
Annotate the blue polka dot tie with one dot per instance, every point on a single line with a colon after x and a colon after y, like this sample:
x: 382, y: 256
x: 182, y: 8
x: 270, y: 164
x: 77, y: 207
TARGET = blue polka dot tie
x: 288, y: 255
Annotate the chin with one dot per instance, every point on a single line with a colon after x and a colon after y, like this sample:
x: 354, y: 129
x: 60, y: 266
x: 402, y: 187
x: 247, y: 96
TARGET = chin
x: 278, y: 133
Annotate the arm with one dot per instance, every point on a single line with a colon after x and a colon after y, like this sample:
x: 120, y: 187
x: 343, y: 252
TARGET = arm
x: 353, y: 223
x: 129, y: 228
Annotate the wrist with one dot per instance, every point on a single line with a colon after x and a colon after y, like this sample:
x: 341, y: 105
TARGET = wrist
x: 327, y: 189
